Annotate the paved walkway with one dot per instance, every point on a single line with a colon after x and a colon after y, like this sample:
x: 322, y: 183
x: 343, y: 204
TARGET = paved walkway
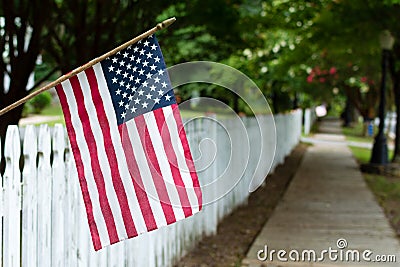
x: 35, y: 119
x: 327, y: 200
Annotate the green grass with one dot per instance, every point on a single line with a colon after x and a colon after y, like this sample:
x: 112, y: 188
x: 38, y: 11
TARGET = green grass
x: 385, y: 188
x: 356, y: 133
x: 363, y: 155
x: 387, y: 193
x: 52, y: 110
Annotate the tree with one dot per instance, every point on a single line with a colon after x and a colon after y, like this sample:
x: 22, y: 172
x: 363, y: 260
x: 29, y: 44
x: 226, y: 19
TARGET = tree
x: 358, y: 24
x: 22, y: 25
x: 82, y: 30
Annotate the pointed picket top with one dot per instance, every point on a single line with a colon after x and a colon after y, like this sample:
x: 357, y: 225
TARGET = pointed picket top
x: 30, y: 141
x: 12, y: 198
x: 12, y: 149
x: 44, y: 143
x: 59, y: 139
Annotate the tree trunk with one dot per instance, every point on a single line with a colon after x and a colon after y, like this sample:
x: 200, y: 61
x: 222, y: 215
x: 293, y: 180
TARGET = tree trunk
x: 346, y: 115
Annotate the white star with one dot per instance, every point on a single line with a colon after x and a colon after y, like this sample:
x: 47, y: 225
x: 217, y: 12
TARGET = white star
x: 129, y: 66
x: 124, y: 95
x: 156, y: 100
x: 145, y: 63
x: 122, y: 83
x: 134, y: 88
x: 128, y: 86
x: 133, y: 109
x: 118, y: 72
x: 149, y: 55
x: 114, y: 80
x: 118, y: 92
x: 132, y: 57
x: 135, y: 49
x: 122, y: 63
x: 141, y: 72
x: 125, y: 74
x: 148, y: 75
x: 126, y: 54
x: 160, y: 92
x: 123, y: 115
x: 145, y: 83
x: 134, y: 69
x: 137, y: 101
x: 138, y: 60
x: 146, y: 43
x: 144, y: 105
x: 153, y: 67
x: 129, y: 47
x: 152, y: 88
x: 111, y: 68
x: 148, y: 96
x: 141, y: 92
x: 153, y: 47
x: 160, y: 72
x: 157, y: 59
x: 126, y: 106
x: 130, y: 97
x: 114, y: 60
x: 137, y: 80
x: 142, y: 52
x: 167, y: 97
x: 164, y: 85
x: 156, y: 80
x: 121, y: 103
x: 131, y: 78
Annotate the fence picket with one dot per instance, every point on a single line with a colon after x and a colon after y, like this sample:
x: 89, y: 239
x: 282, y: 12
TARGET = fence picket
x: 12, y: 198
x: 44, y: 197
x: 29, y: 201
x: 54, y: 225
x: 71, y: 225
x: 58, y: 198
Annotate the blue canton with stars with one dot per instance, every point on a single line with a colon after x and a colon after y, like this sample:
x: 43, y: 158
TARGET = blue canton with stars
x: 138, y: 80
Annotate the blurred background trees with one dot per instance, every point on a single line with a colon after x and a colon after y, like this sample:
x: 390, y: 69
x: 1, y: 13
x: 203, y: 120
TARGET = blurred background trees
x: 300, y: 53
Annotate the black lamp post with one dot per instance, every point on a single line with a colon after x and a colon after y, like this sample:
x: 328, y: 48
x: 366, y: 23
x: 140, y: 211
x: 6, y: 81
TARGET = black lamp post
x: 380, y: 149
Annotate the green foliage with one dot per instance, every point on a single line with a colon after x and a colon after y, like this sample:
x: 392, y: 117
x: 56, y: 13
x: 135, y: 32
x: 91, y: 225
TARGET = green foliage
x: 277, y: 43
x: 38, y: 103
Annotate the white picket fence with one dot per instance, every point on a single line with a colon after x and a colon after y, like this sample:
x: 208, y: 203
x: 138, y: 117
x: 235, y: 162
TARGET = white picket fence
x: 43, y: 217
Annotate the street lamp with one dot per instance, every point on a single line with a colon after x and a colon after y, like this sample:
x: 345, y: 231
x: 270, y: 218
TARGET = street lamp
x: 380, y: 149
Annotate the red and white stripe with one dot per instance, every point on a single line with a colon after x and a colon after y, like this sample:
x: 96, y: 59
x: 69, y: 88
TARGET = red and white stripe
x: 135, y: 177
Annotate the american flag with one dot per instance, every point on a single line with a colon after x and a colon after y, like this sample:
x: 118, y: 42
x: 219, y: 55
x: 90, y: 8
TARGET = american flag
x: 131, y: 153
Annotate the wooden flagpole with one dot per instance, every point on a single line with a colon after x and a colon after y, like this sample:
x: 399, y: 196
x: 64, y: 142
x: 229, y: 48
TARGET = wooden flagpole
x: 65, y: 77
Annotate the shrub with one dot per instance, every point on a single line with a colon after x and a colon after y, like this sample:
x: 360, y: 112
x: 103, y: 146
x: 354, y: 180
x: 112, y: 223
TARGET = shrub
x: 39, y: 102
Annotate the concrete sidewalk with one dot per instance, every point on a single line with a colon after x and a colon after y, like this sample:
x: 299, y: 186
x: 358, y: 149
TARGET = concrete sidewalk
x: 327, y: 206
